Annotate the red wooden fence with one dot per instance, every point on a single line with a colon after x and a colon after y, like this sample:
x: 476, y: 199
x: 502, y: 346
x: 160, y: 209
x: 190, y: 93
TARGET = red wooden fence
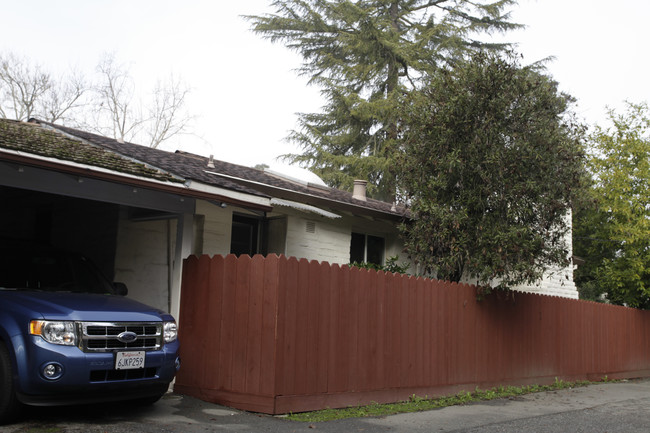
x: 278, y: 335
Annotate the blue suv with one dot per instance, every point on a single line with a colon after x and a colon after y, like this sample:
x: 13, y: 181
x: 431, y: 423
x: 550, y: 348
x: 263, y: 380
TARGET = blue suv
x: 68, y: 336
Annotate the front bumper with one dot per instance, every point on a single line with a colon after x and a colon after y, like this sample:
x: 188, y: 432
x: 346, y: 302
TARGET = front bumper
x: 91, y: 377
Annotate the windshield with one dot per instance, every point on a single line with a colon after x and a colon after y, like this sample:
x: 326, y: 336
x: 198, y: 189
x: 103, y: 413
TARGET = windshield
x: 50, y: 271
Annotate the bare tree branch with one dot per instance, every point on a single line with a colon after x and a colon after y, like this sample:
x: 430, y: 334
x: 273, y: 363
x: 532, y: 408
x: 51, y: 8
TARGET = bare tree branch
x: 115, y: 101
x: 110, y: 106
x: 167, y: 117
x: 21, y: 86
x: 64, y: 99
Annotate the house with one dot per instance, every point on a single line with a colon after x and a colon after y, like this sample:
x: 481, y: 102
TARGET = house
x: 138, y: 212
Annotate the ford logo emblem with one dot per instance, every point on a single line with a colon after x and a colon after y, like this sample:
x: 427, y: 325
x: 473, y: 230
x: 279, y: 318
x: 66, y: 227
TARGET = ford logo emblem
x: 127, y: 337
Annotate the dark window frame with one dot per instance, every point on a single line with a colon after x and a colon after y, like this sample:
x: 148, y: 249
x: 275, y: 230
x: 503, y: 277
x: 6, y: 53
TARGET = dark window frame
x: 246, y: 226
x: 367, y: 248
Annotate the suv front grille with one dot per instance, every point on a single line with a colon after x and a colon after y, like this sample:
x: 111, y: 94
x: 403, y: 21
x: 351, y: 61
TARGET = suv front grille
x: 104, y: 336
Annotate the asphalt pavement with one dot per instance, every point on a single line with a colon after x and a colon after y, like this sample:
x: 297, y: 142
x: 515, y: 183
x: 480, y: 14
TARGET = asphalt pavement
x: 609, y: 407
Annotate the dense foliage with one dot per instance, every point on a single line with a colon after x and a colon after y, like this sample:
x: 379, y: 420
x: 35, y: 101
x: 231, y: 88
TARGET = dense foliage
x: 392, y: 265
x: 364, y: 55
x: 613, y: 237
x: 492, y: 164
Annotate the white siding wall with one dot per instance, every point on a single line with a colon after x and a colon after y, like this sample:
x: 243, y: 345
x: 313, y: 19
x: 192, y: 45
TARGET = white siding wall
x: 142, y: 260
x: 308, y: 236
x: 145, y: 250
x: 389, y: 231
x: 217, y: 228
x: 277, y: 235
x: 557, y: 281
x: 395, y: 247
x: 329, y: 241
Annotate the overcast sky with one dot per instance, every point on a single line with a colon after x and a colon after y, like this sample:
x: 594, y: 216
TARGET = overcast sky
x: 244, y: 91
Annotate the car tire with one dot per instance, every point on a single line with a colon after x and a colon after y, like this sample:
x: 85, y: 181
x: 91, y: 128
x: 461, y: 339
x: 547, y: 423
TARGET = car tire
x: 8, y: 403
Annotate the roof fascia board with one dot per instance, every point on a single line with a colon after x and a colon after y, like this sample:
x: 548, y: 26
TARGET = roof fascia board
x: 33, y: 178
x: 239, y: 196
x: 286, y: 193
x: 189, y: 189
x: 303, y: 207
x: 49, y: 161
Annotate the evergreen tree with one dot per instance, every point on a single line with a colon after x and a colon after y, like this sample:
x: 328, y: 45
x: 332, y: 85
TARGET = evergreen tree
x: 364, y: 55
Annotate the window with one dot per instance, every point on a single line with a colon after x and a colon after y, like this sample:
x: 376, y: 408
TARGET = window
x: 375, y: 250
x: 358, y: 248
x: 244, y: 236
x: 366, y: 248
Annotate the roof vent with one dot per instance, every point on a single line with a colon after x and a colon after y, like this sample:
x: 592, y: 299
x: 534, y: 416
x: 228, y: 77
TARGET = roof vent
x: 211, y: 162
x: 359, y: 191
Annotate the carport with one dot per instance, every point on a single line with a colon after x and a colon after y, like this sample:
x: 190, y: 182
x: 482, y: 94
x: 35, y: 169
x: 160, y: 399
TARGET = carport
x: 135, y: 221
x: 74, y: 207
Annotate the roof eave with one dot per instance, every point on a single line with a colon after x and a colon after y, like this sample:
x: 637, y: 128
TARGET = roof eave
x: 284, y: 193
x: 187, y: 189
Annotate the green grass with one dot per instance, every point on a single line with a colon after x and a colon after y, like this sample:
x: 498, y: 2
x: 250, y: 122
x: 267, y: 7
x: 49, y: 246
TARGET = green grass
x: 417, y: 404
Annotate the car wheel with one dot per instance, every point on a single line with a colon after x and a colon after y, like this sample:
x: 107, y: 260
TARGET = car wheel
x: 8, y: 402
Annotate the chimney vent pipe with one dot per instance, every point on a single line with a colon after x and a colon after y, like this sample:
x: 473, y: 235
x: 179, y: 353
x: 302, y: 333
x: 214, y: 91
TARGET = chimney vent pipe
x: 359, y: 191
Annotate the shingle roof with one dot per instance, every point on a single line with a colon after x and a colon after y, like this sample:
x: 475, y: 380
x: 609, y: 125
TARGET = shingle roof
x: 178, y: 164
x: 232, y: 176
x: 31, y: 138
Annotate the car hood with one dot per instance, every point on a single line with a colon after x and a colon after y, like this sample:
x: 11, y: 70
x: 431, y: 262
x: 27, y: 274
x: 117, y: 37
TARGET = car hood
x: 83, y: 306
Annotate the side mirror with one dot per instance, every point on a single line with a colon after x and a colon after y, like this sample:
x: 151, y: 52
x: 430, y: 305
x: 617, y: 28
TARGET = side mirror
x: 120, y: 289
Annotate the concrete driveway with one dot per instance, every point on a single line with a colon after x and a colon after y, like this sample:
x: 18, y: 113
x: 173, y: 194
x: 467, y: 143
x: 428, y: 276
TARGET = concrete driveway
x: 611, y: 407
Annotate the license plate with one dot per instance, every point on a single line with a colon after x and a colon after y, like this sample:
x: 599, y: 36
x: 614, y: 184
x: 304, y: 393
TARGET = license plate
x: 129, y: 360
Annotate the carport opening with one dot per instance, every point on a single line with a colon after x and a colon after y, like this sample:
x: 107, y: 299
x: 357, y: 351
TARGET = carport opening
x: 128, y: 244
x: 68, y: 223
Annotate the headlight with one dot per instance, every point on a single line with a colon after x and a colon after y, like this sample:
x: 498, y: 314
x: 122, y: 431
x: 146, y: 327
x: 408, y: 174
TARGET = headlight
x: 54, y: 332
x: 170, y: 331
